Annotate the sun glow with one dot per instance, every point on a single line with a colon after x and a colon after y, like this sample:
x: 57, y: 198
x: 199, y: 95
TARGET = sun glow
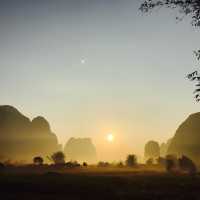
x: 110, y: 137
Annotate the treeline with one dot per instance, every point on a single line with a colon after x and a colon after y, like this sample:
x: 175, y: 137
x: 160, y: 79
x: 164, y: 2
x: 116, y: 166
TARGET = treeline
x: 57, y: 160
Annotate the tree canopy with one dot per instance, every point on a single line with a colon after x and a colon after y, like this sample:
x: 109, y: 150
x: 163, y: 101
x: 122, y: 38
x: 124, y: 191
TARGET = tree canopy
x: 185, y: 7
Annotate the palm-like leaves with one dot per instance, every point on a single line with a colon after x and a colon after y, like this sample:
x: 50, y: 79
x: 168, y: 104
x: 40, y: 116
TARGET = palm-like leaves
x: 185, y: 7
x: 194, y: 77
x: 197, y: 54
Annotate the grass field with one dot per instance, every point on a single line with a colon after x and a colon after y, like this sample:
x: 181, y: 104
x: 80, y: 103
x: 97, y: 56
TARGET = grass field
x: 98, y: 183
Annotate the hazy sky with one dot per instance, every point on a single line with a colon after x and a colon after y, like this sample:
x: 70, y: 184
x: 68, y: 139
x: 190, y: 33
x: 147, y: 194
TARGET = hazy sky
x: 92, y: 67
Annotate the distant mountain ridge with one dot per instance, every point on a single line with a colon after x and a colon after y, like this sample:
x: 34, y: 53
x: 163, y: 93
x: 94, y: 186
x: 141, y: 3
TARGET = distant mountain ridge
x: 187, y: 138
x: 21, y: 138
x: 80, y: 149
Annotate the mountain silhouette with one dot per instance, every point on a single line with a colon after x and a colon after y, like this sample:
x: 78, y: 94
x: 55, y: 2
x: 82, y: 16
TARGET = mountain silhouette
x: 186, y: 140
x: 80, y: 149
x: 164, y: 147
x: 21, y: 138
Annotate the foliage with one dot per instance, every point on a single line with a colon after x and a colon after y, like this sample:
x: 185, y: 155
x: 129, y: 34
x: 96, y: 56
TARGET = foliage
x: 73, y: 164
x: 131, y: 160
x: 85, y: 164
x: 194, y: 76
x: 161, y: 161
x: 103, y: 164
x: 58, y: 157
x: 171, y: 163
x: 185, y: 7
x: 120, y: 164
x: 186, y: 164
x: 38, y: 160
x: 149, y: 161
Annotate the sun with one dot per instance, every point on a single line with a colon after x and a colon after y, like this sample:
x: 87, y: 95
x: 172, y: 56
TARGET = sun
x: 110, y: 137
x: 83, y: 61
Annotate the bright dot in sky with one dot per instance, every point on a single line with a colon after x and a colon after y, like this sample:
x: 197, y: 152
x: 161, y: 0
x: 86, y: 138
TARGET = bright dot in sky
x: 83, y: 61
x: 110, y: 137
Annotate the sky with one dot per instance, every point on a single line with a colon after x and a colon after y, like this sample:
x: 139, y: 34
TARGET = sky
x: 93, y: 67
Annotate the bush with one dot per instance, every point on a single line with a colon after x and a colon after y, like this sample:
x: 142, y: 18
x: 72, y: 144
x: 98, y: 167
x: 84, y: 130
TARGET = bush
x: 171, y: 163
x: 58, y: 157
x: 161, y: 161
x: 38, y: 160
x: 72, y: 164
x: 85, y: 164
x: 131, y: 160
x: 120, y: 164
x: 150, y: 161
x: 103, y: 164
x: 186, y: 164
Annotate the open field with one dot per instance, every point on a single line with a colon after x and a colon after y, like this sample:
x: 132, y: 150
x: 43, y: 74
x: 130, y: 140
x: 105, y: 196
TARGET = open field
x: 98, y: 183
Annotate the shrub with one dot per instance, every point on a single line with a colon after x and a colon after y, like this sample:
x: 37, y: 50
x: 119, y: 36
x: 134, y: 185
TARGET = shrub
x: 58, y: 157
x: 161, y: 161
x: 171, y: 163
x: 72, y: 164
x: 186, y: 164
x: 38, y: 160
x: 131, y: 160
x: 149, y: 161
x: 120, y: 164
x: 103, y: 164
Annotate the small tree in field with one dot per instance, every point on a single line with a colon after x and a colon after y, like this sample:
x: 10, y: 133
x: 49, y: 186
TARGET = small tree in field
x: 150, y: 161
x: 171, y: 163
x: 58, y: 157
x: 131, y: 160
x: 186, y: 164
x: 161, y: 161
x: 38, y: 160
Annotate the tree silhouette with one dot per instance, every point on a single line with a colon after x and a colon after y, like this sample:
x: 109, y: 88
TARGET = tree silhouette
x: 171, y: 163
x: 186, y: 8
x: 194, y: 76
x: 161, y: 161
x: 150, y: 161
x: 103, y: 164
x: 58, y: 157
x: 38, y: 160
x: 186, y: 164
x: 131, y: 160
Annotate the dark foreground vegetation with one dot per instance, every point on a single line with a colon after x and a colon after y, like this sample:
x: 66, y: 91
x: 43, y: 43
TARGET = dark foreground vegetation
x: 164, y: 178
x: 99, y: 183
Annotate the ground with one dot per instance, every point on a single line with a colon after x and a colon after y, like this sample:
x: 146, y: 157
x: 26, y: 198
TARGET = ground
x: 98, y: 183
